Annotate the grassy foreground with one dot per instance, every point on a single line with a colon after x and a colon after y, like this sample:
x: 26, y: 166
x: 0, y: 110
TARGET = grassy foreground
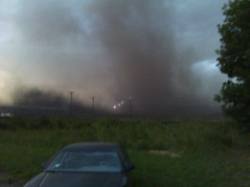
x: 177, y: 154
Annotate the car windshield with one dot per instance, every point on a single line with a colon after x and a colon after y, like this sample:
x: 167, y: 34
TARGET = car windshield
x: 86, y: 162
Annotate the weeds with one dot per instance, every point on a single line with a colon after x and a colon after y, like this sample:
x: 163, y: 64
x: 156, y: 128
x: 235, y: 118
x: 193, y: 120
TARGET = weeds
x: 202, y: 147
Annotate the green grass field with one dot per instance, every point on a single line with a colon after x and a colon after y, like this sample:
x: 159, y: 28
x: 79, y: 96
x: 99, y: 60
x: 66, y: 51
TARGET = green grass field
x: 176, y: 154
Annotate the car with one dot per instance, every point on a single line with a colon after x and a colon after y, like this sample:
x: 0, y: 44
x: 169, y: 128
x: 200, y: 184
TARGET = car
x: 86, y: 165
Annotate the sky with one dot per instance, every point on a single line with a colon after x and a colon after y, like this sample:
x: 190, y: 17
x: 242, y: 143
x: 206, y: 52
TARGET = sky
x: 158, y: 53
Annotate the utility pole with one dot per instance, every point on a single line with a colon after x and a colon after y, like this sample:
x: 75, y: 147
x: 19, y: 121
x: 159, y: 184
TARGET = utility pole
x: 71, y: 102
x: 130, y: 105
x: 93, y: 103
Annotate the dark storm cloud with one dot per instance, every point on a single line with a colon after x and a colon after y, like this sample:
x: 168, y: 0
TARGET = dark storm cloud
x: 119, y: 49
x: 46, y: 21
x: 57, y: 48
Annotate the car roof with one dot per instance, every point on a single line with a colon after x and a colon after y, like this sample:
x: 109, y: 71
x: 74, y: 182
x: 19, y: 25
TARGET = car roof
x: 92, y: 146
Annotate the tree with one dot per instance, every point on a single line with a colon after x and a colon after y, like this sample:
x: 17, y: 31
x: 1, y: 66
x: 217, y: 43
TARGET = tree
x: 234, y: 60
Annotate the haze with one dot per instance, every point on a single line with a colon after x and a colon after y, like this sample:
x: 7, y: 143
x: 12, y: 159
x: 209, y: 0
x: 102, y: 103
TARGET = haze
x: 159, y: 54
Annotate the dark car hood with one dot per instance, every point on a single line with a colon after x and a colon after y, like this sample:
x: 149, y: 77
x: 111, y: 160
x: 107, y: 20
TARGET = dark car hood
x: 79, y: 180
